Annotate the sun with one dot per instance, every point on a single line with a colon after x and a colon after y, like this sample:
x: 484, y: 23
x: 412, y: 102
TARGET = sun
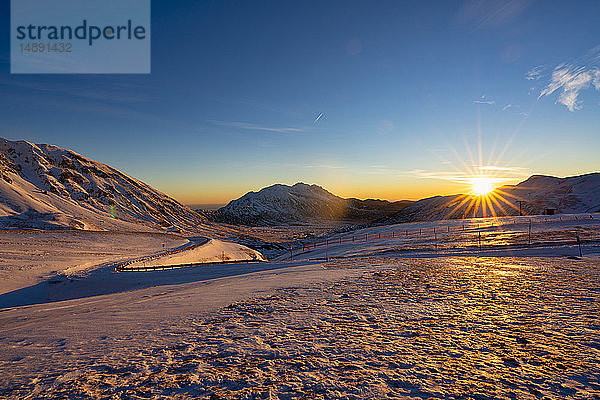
x: 481, y: 185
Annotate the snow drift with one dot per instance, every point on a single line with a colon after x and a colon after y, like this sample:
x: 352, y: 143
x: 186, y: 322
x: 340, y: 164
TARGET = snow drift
x: 213, y: 251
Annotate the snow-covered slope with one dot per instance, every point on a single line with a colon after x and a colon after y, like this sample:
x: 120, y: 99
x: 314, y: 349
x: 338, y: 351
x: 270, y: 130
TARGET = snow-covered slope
x: 213, y: 251
x: 47, y: 187
x: 575, y: 194
x: 300, y: 203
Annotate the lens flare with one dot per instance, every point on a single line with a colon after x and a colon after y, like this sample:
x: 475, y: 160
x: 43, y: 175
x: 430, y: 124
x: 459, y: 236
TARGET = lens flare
x: 481, y: 185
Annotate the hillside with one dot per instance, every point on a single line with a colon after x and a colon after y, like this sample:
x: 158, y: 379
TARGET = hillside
x: 575, y: 194
x: 47, y: 187
x: 301, y: 203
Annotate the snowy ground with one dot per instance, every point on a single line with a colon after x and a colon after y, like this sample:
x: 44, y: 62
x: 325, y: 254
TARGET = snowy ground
x: 39, y: 267
x: 30, y: 257
x: 384, y: 318
x: 364, y: 328
x: 209, y: 252
x: 504, y: 236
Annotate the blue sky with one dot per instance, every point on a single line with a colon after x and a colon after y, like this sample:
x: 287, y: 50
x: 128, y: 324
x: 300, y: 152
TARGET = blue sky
x: 414, y: 95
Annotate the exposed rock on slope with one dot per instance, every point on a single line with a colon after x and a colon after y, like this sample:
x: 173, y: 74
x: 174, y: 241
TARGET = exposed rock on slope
x: 47, y: 187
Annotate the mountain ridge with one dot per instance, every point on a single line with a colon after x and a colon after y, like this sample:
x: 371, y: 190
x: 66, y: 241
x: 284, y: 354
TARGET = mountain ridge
x: 44, y: 186
x: 535, y: 195
x: 48, y: 187
x: 301, y: 203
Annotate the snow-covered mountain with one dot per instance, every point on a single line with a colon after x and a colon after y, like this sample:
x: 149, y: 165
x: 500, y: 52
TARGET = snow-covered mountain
x: 301, y: 203
x: 47, y: 187
x: 575, y: 194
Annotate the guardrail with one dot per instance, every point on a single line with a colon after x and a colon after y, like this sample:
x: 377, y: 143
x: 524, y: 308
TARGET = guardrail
x: 164, y: 267
x: 123, y: 266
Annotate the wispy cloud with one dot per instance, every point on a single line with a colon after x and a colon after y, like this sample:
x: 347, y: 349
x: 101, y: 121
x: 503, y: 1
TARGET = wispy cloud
x: 534, y: 73
x: 506, y: 107
x: 116, y: 91
x: 496, y: 168
x: 491, y: 13
x: 483, y: 100
x: 498, y: 174
x: 570, y: 79
x: 255, y: 127
x: 324, y: 166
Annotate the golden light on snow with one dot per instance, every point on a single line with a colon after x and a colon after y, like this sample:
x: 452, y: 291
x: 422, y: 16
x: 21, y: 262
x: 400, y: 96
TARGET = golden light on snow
x: 484, y: 201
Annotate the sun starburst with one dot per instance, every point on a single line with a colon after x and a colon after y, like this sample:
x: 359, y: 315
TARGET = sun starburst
x: 486, y: 195
x: 482, y: 185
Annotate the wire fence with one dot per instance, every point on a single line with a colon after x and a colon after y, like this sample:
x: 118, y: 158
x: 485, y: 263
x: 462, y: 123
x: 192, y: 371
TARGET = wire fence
x: 539, y: 231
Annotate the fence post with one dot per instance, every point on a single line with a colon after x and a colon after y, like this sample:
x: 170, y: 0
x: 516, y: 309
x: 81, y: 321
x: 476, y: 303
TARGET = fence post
x: 479, y: 240
x: 291, y: 253
x: 529, y: 235
x: 579, y: 245
x: 434, y: 235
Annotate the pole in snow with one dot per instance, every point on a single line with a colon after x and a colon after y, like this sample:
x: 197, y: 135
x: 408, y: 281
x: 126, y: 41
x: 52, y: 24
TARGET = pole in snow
x: 579, y: 245
x: 529, y: 236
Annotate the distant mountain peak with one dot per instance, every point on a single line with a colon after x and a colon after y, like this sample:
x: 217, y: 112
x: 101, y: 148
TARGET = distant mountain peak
x: 301, y: 203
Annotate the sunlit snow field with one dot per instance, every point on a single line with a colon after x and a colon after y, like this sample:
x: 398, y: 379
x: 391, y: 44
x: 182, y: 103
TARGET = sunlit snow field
x: 385, y: 318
